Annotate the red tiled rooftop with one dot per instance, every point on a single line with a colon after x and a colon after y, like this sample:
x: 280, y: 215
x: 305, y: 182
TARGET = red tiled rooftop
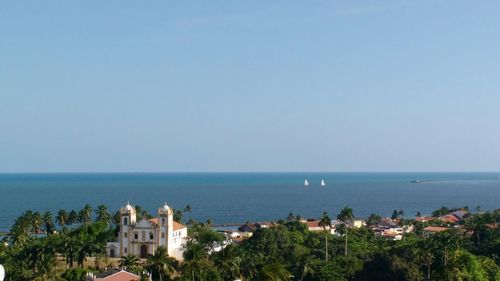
x: 177, y: 225
x: 435, y: 229
x: 115, y: 275
x: 312, y: 223
x: 424, y: 219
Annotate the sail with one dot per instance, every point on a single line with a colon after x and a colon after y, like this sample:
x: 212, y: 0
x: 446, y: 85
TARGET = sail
x: 323, y: 183
x: 306, y: 183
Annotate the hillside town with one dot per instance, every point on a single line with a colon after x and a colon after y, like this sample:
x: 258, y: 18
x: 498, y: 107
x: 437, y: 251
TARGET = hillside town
x: 132, y: 244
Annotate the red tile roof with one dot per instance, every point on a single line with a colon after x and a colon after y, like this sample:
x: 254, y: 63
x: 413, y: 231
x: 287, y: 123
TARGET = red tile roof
x: 435, y: 229
x: 312, y: 224
x: 115, y: 275
x: 425, y: 219
x: 449, y: 219
x: 177, y: 225
x: 492, y: 225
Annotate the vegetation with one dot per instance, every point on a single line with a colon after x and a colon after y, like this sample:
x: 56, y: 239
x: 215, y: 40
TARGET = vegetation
x: 38, y: 249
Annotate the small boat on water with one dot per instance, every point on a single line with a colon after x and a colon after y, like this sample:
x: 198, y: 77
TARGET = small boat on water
x: 323, y: 183
x: 306, y: 183
x: 416, y: 181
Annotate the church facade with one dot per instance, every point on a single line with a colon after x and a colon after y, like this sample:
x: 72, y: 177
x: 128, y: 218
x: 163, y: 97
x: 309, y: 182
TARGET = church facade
x: 142, y: 238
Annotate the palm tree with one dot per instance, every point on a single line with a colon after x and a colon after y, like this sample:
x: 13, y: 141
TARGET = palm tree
x: 345, y: 215
x: 228, y: 262
x: 36, y: 222
x: 161, y: 263
x: 325, y: 222
x: 85, y: 214
x: 274, y: 272
x: 373, y: 219
x: 130, y: 262
x: 72, y: 217
x: 248, y: 268
x: 48, y: 223
x: 426, y: 256
x: 305, y: 266
x: 102, y: 214
x: 115, y: 218
x: 62, y: 218
x: 195, y: 259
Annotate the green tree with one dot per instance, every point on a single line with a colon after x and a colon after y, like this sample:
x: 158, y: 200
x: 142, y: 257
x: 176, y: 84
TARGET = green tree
x: 274, y: 272
x: 160, y: 264
x: 85, y: 215
x: 131, y: 263
x: 62, y: 218
x: 344, y: 216
x: 72, y: 217
x: 374, y: 219
x: 48, y: 223
x: 102, y: 214
x: 325, y: 223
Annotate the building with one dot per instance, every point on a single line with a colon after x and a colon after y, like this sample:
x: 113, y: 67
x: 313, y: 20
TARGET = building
x: 141, y: 238
x: 314, y: 225
x: 248, y: 227
x: 451, y: 219
x: 425, y: 219
x: 113, y: 275
x: 433, y: 229
x: 252, y: 227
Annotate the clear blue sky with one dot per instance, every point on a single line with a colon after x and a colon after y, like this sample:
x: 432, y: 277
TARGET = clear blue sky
x: 249, y: 86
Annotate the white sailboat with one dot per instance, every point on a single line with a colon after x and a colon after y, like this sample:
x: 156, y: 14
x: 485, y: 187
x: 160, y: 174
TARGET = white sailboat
x: 306, y: 183
x: 323, y: 183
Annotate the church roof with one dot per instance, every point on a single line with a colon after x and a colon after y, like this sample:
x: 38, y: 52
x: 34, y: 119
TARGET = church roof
x: 143, y: 224
x: 177, y: 225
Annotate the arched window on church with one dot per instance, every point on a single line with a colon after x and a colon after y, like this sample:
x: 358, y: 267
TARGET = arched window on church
x: 163, y: 221
x: 151, y: 236
x: 125, y: 221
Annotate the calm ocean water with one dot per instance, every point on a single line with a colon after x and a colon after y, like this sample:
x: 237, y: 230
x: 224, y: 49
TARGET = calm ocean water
x: 240, y: 197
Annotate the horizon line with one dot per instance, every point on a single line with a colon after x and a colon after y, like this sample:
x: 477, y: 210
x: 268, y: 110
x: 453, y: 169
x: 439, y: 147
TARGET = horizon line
x: 237, y: 172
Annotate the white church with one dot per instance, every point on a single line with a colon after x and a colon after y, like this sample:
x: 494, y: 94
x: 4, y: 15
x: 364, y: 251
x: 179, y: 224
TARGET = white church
x: 144, y: 237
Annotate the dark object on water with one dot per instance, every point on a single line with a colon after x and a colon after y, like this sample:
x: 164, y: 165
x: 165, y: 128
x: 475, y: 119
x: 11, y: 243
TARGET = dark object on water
x: 416, y: 181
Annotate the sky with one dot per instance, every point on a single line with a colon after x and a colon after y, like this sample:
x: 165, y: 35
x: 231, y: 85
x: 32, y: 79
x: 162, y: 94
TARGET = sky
x: 248, y: 86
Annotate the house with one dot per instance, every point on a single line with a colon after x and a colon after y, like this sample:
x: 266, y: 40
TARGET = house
x: 392, y: 236
x: 142, y: 238
x: 314, y: 225
x: 252, y: 227
x: 449, y: 218
x: 492, y: 225
x: 429, y: 230
x: 387, y: 223
x: 113, y: 275
x: 265, y: 224
x: 460, y: 214
x: 425, y: 219
x: 248, y: 227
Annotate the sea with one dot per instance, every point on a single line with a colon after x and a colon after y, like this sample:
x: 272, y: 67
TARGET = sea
x: 231, y: 198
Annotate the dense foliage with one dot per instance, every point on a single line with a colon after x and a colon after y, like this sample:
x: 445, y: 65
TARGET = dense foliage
x: 287, y: 251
